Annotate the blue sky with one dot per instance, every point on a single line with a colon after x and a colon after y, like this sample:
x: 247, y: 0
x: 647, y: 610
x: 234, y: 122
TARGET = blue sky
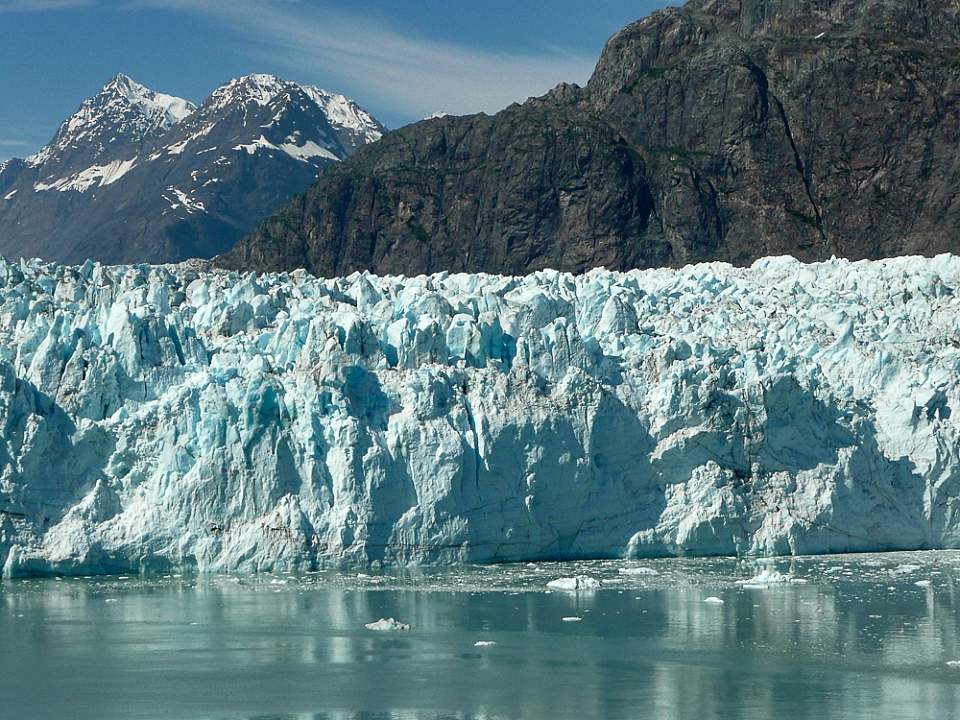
x: 401, y: 59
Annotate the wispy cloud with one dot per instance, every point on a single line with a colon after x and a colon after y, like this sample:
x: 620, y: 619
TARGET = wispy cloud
x: 13, y: 142
x: 9, y: 6
x: 412, y: 75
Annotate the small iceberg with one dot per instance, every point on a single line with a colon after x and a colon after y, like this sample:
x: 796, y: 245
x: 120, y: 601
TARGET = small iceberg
x: 574, y: 584
x: 765, y: 578
x: 923, y: 583
x: 904, y: 569
x: 387, y: 625
x: 572, y: 618
x: 638, y: 571
x: 484, y: 643
x: 713, y: 601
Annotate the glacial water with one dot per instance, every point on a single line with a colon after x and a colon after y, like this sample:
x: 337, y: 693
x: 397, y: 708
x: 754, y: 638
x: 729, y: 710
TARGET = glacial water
x: 832, y: 637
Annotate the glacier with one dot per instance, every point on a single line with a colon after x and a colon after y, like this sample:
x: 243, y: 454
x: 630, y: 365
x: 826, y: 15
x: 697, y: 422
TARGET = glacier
x: 162, y: 417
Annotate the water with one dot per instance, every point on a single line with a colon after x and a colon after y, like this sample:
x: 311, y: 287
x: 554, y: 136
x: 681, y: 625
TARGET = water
x: 858, y: 639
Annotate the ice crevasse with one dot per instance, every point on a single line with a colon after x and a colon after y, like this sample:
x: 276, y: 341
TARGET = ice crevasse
x: 176, y: 417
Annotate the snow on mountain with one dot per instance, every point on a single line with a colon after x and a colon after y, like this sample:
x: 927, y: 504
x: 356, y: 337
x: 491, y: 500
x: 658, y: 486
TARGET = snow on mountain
x: 346, y: 116
x: 125, y: 116
x: 137, y: 175
x: 352, y: 125
x: 258, y: 89
x: 123, y: 113
x: 94, y: 176
x: 159, y: 417
x: 304, y: 152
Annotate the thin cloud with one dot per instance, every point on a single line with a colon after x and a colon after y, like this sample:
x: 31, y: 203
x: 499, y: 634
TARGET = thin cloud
x: 412, y: 76
x: 12, y: 6
x: 10, y: 142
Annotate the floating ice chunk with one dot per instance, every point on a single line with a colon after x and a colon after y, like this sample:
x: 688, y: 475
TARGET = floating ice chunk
x: 572, y: 618
x: 638, y: 571
x: 923, y: 583
x: 765, y: 578
x: 484, y: 643
x: 574, y: 584
x: 953, y: 663
x: 387, y: 625
x: 904, y: 569
x: 713, y: 601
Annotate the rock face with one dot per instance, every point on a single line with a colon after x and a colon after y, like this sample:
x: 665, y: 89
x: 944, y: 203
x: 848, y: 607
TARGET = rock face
x: 176, y: 417
x: 138, y: 176
x: 721, y: 130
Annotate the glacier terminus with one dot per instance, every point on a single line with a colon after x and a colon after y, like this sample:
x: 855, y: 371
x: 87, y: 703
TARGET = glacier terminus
x: 160, y: 417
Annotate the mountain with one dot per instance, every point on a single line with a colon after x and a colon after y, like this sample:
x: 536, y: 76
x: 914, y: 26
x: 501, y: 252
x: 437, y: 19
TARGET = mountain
x: 138, y: 176
x: 720, y: 130
x: 171, y: 417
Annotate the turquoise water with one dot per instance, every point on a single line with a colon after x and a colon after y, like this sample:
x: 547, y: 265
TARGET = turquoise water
x: 850, y: 637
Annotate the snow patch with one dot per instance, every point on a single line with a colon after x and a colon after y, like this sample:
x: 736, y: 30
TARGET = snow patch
x: 93, y: 177
x: 182, y: 199
x: 261, y: 143
x: 308, y: 151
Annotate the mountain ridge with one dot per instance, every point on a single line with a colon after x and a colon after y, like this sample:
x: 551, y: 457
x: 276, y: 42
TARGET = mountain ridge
x: 132, y: 176
x: 753, y: 128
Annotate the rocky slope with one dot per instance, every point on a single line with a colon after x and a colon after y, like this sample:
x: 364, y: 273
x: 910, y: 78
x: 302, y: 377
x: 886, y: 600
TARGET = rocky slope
x: 139, y: 176
x: 721, y: 130
x: 174, y: 417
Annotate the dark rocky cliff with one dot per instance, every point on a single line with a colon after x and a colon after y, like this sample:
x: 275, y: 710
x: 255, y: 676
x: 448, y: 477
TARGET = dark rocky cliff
x: 717, y: 131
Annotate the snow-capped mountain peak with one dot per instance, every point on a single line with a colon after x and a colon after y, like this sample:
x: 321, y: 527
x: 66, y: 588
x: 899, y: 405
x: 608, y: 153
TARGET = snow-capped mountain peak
x: 353, y: 125
x: 168, y: 109
x: 123, y: 112
x: 344, y: 114
x: 139, y: 175
x: 257, y: 88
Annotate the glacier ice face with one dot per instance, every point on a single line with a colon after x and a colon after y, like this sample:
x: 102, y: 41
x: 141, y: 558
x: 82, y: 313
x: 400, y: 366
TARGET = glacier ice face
x: 160, y: 417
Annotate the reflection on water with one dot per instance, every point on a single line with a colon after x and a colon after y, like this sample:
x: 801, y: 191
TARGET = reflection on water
x: 858, y: 640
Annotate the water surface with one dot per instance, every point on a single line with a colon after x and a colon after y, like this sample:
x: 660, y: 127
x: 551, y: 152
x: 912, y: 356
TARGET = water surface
x: 851, y: 637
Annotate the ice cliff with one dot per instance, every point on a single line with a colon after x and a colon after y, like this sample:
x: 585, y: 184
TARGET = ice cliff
x: 161, y: 417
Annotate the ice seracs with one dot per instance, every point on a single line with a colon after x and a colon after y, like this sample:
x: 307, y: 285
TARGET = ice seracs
x: 163, y: 417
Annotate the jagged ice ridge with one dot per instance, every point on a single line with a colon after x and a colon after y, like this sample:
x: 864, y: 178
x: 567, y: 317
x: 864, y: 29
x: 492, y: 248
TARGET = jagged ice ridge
x: 160, y: 417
